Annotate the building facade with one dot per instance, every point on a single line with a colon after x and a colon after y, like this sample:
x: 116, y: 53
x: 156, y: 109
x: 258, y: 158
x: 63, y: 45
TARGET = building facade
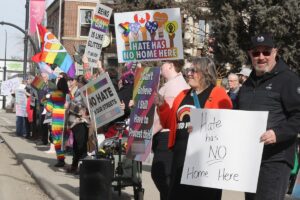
x: 70, y: 21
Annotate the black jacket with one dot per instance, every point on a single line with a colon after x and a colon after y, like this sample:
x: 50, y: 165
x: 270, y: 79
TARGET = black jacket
x: 279, y: 93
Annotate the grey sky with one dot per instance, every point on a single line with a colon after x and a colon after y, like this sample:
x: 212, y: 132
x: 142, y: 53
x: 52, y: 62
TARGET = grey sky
x: 13, y: 11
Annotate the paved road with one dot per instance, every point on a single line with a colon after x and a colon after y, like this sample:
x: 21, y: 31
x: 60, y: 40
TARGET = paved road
x: 15, y: 182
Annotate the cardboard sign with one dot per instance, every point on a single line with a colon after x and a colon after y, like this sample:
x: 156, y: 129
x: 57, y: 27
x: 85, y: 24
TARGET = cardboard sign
x: 8, y: 86
x: 21, y: 101
x: 224, y: 149
x: 142, y: 115
x: 103, y: 101
x: 149, y: 35
x: 99, y: 28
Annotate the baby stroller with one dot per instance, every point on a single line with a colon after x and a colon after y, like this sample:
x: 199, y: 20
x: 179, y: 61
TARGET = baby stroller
x: 127, y: 173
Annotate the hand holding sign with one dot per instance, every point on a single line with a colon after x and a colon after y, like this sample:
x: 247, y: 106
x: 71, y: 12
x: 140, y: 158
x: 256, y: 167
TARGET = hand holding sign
x: 142, y: 19
x: 151, y: 27
x: 134, y: 29
x: 124, y: 29
x: 161, y: 19
x: 171, y: 28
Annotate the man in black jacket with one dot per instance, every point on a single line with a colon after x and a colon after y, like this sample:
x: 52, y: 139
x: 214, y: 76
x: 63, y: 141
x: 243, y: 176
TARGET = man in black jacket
x: 273, y: 87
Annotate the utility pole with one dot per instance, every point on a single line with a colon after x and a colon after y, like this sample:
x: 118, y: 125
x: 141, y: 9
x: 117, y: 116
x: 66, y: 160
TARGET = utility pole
x: 4, y: 70
x: 26, y: 39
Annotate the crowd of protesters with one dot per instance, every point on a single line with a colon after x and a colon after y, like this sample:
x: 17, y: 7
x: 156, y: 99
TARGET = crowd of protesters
x: 60, y: 112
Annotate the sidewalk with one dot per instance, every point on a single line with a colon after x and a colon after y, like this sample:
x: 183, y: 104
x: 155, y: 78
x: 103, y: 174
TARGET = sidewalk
x: 54, y: 181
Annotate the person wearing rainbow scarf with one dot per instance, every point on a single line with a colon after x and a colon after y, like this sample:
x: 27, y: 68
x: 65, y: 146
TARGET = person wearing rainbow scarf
x: 55, y: 105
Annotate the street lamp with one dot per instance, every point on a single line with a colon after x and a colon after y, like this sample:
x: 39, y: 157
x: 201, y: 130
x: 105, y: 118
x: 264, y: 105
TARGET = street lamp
x: 26, y: 39
x: 4, y: 69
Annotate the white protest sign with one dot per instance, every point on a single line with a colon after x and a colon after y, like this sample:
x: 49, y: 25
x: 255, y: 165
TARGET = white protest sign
x: 103, y: 100
x: 149, y: 35
x: 8, y: 86
x: 99, y: 28
x: 21, y: 101
x: 224, y: 149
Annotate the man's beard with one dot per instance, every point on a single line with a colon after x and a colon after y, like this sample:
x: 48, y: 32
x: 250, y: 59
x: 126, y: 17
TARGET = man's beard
x: 263, y: 70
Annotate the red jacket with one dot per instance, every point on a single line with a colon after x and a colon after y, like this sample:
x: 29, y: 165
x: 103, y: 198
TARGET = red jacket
x: 29, y: 110
x: 218, y: 98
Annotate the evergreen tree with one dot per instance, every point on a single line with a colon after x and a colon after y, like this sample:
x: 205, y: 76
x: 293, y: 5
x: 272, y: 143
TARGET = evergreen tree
x: 235, y: 21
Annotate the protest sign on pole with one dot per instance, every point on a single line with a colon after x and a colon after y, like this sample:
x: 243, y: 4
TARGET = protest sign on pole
x: 142, y: 115
x: 8, y: 86
x: 98, y: 30
x: 224, y: 149
x: 103, y: 100
x: 149, y: 35
x: 21, y: 101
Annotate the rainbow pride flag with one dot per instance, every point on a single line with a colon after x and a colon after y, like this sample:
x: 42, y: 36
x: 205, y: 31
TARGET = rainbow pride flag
x: 38, y: 83
x: 53, y: 52
x: 96, y: 86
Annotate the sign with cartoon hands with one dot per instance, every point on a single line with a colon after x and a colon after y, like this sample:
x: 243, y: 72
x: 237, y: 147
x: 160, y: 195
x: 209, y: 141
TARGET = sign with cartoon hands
x: 149, y: 35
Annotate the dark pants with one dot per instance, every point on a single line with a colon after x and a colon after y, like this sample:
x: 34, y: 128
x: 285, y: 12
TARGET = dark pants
x: 161, y: 164
x: 21, y: 126
x: 272, y: 182
x: 80, y: 134
x: 44, y: 130
x: 34, y: 125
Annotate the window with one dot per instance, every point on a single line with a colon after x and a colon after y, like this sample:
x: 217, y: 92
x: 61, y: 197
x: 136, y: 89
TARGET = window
x: 85, y: 21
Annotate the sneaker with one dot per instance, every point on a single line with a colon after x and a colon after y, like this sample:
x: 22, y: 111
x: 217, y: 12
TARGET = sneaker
x: 60, y: 163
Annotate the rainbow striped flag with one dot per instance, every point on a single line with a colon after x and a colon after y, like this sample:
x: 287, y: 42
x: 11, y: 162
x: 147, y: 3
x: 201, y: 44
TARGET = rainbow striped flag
x: 53, y: 52
x: 38, y: 83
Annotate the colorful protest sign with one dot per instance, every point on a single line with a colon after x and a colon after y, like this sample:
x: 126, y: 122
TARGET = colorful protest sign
x: 142, y: 115
x: 103, y: 100
x: 149, y: 35
x: 38, y: 83
x: 224, y: 149
x: 21, y: 101
x: 99, y: 28
x: 8, y: 86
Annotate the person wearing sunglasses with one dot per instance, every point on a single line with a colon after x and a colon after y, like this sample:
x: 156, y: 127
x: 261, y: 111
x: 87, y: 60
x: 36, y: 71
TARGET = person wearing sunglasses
x: 203, y: 94
x: 272, y: 87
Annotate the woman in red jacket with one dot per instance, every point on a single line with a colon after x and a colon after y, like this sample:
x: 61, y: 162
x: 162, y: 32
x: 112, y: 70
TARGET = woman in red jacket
x: 203, y: 94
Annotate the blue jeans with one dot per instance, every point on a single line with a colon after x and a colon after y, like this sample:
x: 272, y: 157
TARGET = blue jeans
x: 21, y: 126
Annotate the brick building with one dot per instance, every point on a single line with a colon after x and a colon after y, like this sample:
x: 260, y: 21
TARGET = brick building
x: 74, y: 29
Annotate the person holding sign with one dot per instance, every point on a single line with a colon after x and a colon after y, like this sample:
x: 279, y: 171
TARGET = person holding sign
x: 162, y: 160
x: 203, y: 94
x: 273, y: 87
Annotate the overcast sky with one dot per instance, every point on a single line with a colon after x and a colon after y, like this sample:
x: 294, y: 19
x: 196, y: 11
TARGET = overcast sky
x: 13, y: 11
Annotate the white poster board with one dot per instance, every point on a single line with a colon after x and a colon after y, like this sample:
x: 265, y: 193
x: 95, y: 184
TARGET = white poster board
x: 224, y: 149
x: 149, y: 35
x: 21, y: 101
x: 99, y: 28
x: 8, y: 86
x: 103, y: 100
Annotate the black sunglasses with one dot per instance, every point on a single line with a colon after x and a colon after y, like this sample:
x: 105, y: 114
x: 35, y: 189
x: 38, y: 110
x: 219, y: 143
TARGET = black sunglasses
x: 257, y: 53
x: 191, y: 70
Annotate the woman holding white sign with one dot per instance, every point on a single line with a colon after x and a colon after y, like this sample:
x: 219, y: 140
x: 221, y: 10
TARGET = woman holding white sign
x: 203, y: 94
